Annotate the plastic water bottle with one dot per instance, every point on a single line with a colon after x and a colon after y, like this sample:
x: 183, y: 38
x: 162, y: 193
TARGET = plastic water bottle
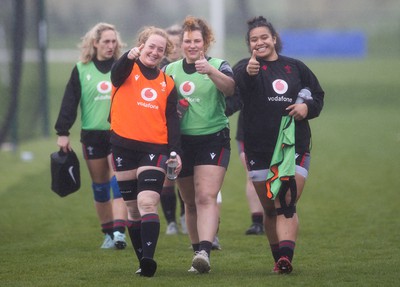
x: 303, y: 95
x: 182, y: 107
x: 171, y: 166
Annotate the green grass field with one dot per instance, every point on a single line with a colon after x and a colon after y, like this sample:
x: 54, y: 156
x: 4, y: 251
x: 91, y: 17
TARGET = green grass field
x: 349, y: 226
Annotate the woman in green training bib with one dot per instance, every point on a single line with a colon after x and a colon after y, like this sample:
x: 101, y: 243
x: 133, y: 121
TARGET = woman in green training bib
x: 90, y: 88
x: 204, y: 82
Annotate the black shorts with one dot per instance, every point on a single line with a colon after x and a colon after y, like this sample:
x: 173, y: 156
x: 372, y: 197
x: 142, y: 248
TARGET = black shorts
x: 258, y: 164
x: 213, y: 149
x: 95, y: 144
x: 126, y: 159
x: 258, y: 160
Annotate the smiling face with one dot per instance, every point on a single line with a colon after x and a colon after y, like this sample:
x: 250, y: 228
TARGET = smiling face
x: 105, y: 47
x: 153, y: 51
x: 261, y: 40
x: 192, y: 45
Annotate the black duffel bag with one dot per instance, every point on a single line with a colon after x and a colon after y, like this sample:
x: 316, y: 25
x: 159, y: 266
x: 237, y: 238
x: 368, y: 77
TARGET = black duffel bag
x: 65, y: 172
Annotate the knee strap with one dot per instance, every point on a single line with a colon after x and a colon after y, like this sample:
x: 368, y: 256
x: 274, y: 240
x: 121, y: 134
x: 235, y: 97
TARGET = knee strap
x: 287, y: 209
x: 151, y: 180
x: 101, y: 191
x: 115, y: 188
x: 128, y: 189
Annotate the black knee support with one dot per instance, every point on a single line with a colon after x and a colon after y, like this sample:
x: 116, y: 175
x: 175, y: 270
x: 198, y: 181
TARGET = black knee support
x: 151, y: 179
x: 287, y: 209
x: 128, y: 189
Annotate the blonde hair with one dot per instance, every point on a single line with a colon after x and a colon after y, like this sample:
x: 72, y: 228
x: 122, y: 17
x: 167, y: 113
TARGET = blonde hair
x: 147, y: 31
x: 88, y: 51
x: 192, y: 23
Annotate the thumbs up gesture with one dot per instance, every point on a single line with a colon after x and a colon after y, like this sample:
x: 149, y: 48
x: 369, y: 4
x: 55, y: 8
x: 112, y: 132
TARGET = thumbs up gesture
x: 202, y: 65
x: 253, y: 66
x: 134, y: 53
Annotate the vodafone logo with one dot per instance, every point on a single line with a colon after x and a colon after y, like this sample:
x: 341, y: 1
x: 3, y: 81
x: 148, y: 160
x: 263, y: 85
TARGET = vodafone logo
x: 104, y: 87
x: 148, y: 94
x: 187, y: 88
x: 280, y: 86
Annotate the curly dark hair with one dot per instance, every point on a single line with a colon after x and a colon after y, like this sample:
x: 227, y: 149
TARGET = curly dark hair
x: 260, y: 21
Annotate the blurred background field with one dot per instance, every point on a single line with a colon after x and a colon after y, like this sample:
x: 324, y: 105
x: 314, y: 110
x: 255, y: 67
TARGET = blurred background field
x: 349, y: 227
x: 35, y: 33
